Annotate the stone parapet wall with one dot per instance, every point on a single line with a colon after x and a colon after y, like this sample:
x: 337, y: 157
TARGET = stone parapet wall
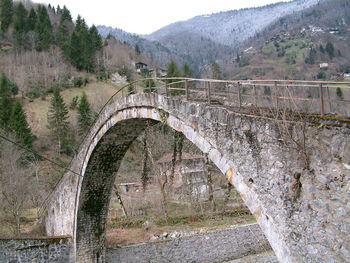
x: 213, y: 247
x: 55, y: 249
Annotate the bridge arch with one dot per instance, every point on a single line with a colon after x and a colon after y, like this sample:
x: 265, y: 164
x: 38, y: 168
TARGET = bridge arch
x: 245, y: 148
x: 117, y: 128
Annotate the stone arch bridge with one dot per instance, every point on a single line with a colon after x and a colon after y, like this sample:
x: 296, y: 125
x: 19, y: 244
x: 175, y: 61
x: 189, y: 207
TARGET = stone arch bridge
x: 292, y: 174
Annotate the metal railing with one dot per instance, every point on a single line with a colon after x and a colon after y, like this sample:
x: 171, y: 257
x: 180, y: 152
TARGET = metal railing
x: 316, y: 98
x: 320, y: 98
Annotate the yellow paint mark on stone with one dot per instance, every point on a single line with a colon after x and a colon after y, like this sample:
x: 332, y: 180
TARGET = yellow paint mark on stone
x: 229, y: 175
x: 149, y: 113
x: 257, y: 213
x: 193, y: 126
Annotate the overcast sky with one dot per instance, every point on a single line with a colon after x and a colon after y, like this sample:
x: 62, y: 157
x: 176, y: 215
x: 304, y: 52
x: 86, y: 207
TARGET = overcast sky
x: 146, y: 16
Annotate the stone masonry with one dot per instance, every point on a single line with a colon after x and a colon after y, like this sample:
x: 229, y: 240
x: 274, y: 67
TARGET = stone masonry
x: 214, y: 247
x: 56, y: 249
x: 294, y: 177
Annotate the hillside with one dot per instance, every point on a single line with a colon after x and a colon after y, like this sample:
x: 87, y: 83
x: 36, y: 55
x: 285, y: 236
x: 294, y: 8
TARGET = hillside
x: 295, y: 46
x: 233, y: 27
x: 212, y: 37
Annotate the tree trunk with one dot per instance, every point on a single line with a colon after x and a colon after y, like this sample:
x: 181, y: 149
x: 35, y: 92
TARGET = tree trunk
x: 210, y: 185
x: 120, y: 201
x: 164, y: 194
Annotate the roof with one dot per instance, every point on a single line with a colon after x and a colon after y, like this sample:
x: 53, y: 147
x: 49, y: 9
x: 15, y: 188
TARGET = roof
x: 140, y: 63
x: 185, y: 156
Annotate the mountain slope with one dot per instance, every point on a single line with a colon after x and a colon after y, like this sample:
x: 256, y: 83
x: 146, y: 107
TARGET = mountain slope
x: 295, y: 46
x: 232, y: 27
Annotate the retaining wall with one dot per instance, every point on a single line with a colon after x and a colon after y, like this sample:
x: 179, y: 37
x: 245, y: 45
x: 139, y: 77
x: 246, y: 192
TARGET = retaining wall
x: 212, y: 247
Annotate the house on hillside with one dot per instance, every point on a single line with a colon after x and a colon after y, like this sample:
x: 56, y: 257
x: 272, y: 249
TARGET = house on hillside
x: 346, y: 76
x: 324, y: 66
x: 140, y: 65
x: 190, y: 174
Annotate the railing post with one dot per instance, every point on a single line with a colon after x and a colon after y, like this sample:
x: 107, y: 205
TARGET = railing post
x: 255, y: 96
x: 209, y: 95
x: 321, y: 100
x: 166, y: 90
x: 276, y: 95
x: 186, y: 88
x: 239, y: 94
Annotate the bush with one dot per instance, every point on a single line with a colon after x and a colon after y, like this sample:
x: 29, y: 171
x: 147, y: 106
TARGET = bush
x: 267, y: 90
x: 74, y: 103
x: 321, y: 75
x: 339, y: 93
x: 78, y: 82
x: 103, y: 75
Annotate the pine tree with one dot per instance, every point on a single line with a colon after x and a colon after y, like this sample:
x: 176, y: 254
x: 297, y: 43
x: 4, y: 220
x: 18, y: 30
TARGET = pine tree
x: 31, y: 20
x: 330, y: 49
x: 20, y: 26
x: 85, y: 116
x: 63, y: 33
x: 322, y: 48
x: 6, y: 14
x: 65, y: 14
x: 215, y: 70
x: 188, y: 73
x: 80, y: 54
x: 173, y: 71
x: 137, y: 49
x: 6, y: 102
x: 96, y: 39
x: 57, y: 118
x: 19, y: 125
x: 43, y: 30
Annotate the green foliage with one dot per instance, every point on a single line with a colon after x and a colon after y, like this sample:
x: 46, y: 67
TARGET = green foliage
x: 6, y: 102
x: 85, y: 115
x: 63, y: 32
x: 12, y: 115
x: 267, y: 91
x: 174, y: 72
x: 340, y: 93
x: 310, y: 59
x: 330, y: 49
x: 65, y: 14
x: 74, y: 102
x: 238, y: 58
x: 187, y: 71
x: 321, y: 75
x: 6, y: 14
x: 84, y: 45
x: 57, y: 118
x: 103, y: 75
x: 137, y: 49
x: 20, y: 26
x: 322, y: 49
x: 215, y: 70
x: 31, y: 20
x: 43, y: 30
x: 79, y: 82
x: 344, y: 68
x: 243, y: 62
x: 19, y: 125
x: 125, y: 72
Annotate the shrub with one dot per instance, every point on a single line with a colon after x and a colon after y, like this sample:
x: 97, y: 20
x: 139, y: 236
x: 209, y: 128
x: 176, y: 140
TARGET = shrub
x: 339, y: 93
x: 321, y: 75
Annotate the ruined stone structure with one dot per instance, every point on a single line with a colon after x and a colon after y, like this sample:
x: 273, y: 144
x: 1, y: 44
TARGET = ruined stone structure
x: 190, y: 174
x: 294, y: 178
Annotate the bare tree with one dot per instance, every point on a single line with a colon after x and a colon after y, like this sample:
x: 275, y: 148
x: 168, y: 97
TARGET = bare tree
x: 16, y: 185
